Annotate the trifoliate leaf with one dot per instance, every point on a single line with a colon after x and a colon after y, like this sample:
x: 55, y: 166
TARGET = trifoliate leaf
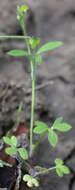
x: 41, y: 127
x: 58, y: 161
x: 17, y: 52
x: 30, y: 181
x: 11, y: 151
x: 52, y: 138
x: 23, y: 153
x: 14, y: 141
x: 62, y: 127
x: 59, y: 172
x: 49, y: 46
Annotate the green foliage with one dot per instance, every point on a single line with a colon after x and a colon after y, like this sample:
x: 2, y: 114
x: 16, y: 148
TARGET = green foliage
x: 12, y: 142
x: 61, y: 169
x: 4, y: 163
x: 30, y: 181
x: 49, y: 46
x: 58, y: 161
x: 13, y: 150
x: 17, y: 52
x: 57, y: 121
x: 34, y: 42
x: 40, y: 127
x: 52, y: 137
x: 7, y: 140
x: 23, y: 153
x: 38, y: 59
x: 62, y: 127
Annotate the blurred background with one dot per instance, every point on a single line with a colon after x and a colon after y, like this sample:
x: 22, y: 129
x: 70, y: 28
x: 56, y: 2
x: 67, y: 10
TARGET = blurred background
x: 51, y: 20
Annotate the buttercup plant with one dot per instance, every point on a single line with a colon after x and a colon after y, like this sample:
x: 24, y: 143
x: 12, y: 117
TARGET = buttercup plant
x: 35, y: 57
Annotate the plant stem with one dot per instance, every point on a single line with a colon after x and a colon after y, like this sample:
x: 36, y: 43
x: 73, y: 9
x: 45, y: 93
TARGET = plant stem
x: 32, y: 108
x: 14, y: 37
x: 33, y: 92
x: 45, y: 171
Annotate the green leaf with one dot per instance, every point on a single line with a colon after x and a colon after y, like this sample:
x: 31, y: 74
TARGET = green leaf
x: 26, y: 177
x: 34, y: 42
x: 11, y: 151
x: 5, y: 163
x: 38, y: 59
x: 57, y: 121
x: 23, y: 153
x: 7, y: 140
x: 35, y: 182
x: 52, y: 138
x: 63, y: 127
x: 30, y: 181
x: 65, y: 169
x: 49, y: 46
x: 17, y: 52
x: 41, y: 127
x: 14, y: 141
x: 58, y: 162
x: 59, y: 172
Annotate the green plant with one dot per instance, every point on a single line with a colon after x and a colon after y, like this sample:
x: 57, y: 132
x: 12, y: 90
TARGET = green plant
x: 35, y: 57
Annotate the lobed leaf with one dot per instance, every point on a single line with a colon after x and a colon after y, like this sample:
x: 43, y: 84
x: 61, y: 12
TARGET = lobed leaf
x: 30, y: 181
x: 52, y: 138
x: 14, y: 141
x: 35, y: 182
x: 17, y: 52
x: 7, y: 140
x: 49, y: 46
x: 41, y: 127
x: 57, y: 121
x: 59, y: 172
x: 23, y: 153
x: 65, y: 169
x: 26, y: 177
x: 62, y: 127
x: 58, y: 161
x: 11, y: 151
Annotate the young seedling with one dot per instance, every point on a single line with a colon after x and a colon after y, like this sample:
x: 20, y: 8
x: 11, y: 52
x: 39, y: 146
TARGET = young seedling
x: 35, y: 57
